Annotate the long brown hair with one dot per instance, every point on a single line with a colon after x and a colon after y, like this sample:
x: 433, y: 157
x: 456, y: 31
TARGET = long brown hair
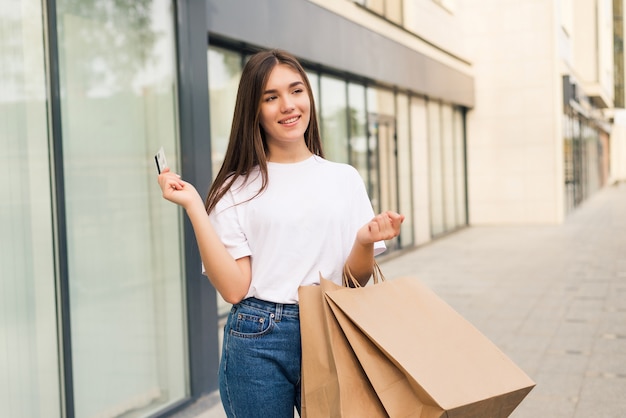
x: 247, y: 146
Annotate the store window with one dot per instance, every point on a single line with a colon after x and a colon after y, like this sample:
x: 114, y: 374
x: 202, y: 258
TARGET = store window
x: 459, y: 168
x: 446, y: 151
x: 448, y: 166
x: 583, y: 154
x: 420, y: 168
x: 334, y: 118
x: 124, y: 243
x: 224, y: 73
x: 437, y: 207
x: 314, y: 81
x: 29, y: 364
x: 358, y: 129
x: 405, y: 172
x: 382, y: 153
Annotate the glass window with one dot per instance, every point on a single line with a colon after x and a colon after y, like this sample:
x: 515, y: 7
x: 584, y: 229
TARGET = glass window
x: 459, y: 167
x: 334, y: 119
x: 405, y: 184
x: 593, y: 163
x: 118, y: 98
x: 382, y: 146
x: 420, y: 168
x: 436, y: 169
x: 447, y: 149
x: 568, y: 162
x: 314, y: 81
x: 224, y: 74
x: 358, y: 129
x: 29, y: 377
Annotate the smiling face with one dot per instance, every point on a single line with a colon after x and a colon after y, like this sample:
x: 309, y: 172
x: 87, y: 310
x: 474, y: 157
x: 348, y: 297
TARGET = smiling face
x: 285, y: 108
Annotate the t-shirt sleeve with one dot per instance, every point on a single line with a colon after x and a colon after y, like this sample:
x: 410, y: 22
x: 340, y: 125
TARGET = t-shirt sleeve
x: 227, y: 225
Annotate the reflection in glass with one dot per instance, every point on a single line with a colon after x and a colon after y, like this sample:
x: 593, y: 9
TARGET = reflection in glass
x: 436, y: 169
x: 568, y: 162
x: 459, y: 168
x: 583, y: 153
x: 420, y: 167
x: 314, y: 81
x: 382, y: 142
x: 405, y: 176
x: 224, y: 74
x: 333, y: 117
x: 225, y: 69
x: 373, y: 188
x: 358, y: 129
x: 29, y: 372
x: 447, y: 149
x: 118, y: 97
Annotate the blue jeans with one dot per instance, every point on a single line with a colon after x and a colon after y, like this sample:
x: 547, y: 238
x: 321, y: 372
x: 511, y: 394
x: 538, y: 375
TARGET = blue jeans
x: 259, y: 372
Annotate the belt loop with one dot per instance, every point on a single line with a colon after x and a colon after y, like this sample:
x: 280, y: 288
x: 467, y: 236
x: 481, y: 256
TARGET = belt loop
x: 279, y: 312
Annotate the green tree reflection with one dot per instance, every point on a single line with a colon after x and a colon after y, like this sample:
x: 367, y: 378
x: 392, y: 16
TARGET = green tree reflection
x: 107, y: 43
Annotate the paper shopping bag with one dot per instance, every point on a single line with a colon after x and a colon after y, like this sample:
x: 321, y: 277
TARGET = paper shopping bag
x: 453, y: 369
x: 399, y: 395
x: 333, y: 382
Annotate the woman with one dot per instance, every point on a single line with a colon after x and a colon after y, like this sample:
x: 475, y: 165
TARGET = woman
x: 279, y: 216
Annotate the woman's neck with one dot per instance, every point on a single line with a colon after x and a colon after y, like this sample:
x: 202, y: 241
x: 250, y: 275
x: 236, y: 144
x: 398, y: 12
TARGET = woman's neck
x: 289, y: 154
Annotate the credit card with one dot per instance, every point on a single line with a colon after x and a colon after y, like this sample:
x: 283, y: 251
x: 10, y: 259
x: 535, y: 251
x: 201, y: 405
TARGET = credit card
x: 159, y: 159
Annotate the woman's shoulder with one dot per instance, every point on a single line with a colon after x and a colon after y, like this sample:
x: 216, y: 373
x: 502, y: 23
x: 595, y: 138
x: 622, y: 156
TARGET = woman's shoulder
x: 336, y: 166
x: 342, y: 170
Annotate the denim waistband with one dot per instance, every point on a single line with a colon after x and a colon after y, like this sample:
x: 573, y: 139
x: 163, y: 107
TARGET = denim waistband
x: 278, y: 309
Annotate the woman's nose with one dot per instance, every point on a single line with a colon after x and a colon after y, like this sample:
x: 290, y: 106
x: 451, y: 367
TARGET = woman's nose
x: 287, y: 105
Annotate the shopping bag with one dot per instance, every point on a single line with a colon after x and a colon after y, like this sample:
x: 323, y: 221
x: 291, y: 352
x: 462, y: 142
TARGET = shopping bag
x: 397, y: 392
x: 333, y: 382
x: 452, y: 369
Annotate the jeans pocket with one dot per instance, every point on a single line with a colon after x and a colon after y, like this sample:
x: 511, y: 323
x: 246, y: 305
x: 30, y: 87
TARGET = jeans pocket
x: 250, y: 323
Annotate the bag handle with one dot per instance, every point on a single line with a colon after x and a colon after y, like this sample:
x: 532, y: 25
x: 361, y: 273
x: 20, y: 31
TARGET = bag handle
x: 349, y: 280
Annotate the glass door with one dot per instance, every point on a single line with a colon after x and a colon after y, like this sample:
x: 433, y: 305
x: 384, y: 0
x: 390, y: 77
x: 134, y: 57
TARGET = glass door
x: 383, y: 166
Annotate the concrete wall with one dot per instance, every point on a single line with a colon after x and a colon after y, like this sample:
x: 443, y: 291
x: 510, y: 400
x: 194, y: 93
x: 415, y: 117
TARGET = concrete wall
x: 515, y: 152
x: 593, y: 47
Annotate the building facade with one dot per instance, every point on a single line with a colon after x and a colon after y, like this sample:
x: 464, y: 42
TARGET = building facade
x: 454, y: 112
x: 538, y: 137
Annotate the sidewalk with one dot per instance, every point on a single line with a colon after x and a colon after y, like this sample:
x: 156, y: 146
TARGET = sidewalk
x: 553, y: 298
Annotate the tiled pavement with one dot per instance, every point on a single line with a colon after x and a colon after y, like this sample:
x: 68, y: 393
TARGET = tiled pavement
x: 552, y: 297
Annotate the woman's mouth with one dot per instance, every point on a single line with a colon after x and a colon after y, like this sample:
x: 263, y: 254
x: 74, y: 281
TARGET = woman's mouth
x: 289, y: 121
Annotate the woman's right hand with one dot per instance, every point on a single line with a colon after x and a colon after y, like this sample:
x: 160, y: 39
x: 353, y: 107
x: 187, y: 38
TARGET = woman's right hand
x: 178, y: 191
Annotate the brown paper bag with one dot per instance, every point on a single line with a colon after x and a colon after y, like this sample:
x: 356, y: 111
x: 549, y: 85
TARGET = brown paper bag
x: 400, y: 395
x: 333, y: 382
x: 453, y: 369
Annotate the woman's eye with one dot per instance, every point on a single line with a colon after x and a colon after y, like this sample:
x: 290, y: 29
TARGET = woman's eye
x: 270, y: 98
x: 298, y: 90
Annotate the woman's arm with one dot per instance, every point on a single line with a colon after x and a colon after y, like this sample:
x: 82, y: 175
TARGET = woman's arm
x: 360, y: 262
x: 230, y: 277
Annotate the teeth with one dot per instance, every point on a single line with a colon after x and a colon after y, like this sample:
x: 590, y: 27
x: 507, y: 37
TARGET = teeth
x: 290, y: 120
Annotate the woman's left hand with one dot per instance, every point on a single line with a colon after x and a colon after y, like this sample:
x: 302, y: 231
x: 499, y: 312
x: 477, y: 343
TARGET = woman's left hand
x: 384, y: 226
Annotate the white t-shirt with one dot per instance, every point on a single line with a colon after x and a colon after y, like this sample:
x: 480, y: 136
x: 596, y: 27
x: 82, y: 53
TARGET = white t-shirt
x: 303, y: 224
